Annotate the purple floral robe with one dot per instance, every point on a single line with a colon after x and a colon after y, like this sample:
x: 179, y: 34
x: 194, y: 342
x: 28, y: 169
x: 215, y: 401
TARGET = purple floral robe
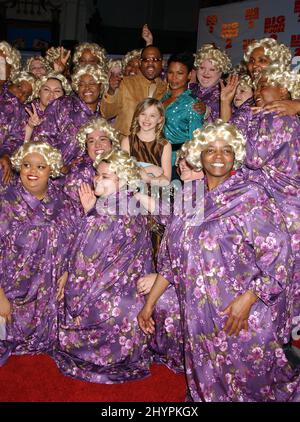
x: 82, y: 172
x: 210, y: 97
x: 241, y: 245
x: 273, y: 157
x: 100, y: 340
x: 13, y: 119
x: 242, y: 117
x: 62, y: 120
x: 33, y: 238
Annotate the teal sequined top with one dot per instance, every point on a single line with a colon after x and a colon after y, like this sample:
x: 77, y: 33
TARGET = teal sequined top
x: 181, y: 119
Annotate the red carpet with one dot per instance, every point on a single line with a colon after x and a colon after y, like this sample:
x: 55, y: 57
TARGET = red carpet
x: 36, y: 379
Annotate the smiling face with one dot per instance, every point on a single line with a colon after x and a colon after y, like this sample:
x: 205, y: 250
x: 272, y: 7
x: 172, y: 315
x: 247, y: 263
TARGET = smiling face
x: 217, y: 161
x: 258, y: 61
x: 266, y: 93
x: 97, y: 143
x: 149, y: 118
x: 242, y: 94
x: 51, y: 90
x: 106, y: 182
x: 89, y: 90
x: 208, y: 75
x: 187, y: 173
x: 34, y: 174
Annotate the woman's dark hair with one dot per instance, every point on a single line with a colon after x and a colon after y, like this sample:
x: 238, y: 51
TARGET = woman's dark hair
x: 187, y: 59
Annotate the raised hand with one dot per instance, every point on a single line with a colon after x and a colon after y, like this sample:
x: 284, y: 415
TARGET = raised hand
x: 60, y: 64
x: 34, y: 119
x: 228, y: 90
x: 87, y: 196
x: 147, y: 35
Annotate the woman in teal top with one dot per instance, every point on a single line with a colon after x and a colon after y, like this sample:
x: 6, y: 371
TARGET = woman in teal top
x: 181, y: 118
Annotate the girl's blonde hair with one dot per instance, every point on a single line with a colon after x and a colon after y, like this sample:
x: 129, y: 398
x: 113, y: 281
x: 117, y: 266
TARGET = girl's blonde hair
x: 276, y: 51
x: 24, y: 76
x: 12, y: 56
x: 37, y: 58
x: 218, y: 58
x: 276, y: 75
x: 52, y: 75
x: 120, y: 163
x: 142, y: 106
x: 209, y: 134
x: 101, y: 124
x: 97, y: 72
x: 51, y: 155
x: 95, y: 49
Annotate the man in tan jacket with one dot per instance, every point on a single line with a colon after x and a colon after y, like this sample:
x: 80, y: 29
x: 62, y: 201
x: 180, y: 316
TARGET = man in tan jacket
x: 121, y: 102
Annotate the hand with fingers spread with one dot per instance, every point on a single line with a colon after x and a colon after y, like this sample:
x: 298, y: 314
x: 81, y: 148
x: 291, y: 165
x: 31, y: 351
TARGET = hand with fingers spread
x: 87, y: 196
x: 147, y: 35
x: 228, y: 90
x: 238, y: 312
x: 61, y: 286
x: 5, y: 306
x: 5, y: 165
x: 34, y: 119
x: 145, y: 283
x: 283, y: 108
x: 60, y: 64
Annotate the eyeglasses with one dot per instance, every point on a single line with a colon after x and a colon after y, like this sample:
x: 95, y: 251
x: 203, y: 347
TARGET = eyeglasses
x: 151, y: 59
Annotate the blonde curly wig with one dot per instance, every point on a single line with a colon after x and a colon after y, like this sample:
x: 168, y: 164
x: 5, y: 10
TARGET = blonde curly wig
x: 51, y: 155
x: 210, y: 133
x: 53, y: 54
x: 37, y: 58
x: 24, y: 76
x: 245, y: 82
x: 97, y: 72
x: 12, y: 56
x: 142, y: 106
x: 276, y: 75
x: 101, y: 124
x: 95, y: 49
x: 276, y: 51
x: 218, y: 58
x: 120, y: 163
x: 52, y: 75
x: 115, y: 62
x: 133, y: 54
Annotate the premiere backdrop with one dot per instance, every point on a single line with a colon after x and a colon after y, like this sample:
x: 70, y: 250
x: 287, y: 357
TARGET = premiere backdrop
x: 233, y: 26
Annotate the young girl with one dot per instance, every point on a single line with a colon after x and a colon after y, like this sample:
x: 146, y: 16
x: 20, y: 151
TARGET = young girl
x: 99, y: 336
x: 147, y: 144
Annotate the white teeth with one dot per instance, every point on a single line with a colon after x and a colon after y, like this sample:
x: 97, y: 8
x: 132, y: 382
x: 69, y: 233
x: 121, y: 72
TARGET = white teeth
x: 218, y: 165
x: 99, y: 151
x: 32, y: 177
